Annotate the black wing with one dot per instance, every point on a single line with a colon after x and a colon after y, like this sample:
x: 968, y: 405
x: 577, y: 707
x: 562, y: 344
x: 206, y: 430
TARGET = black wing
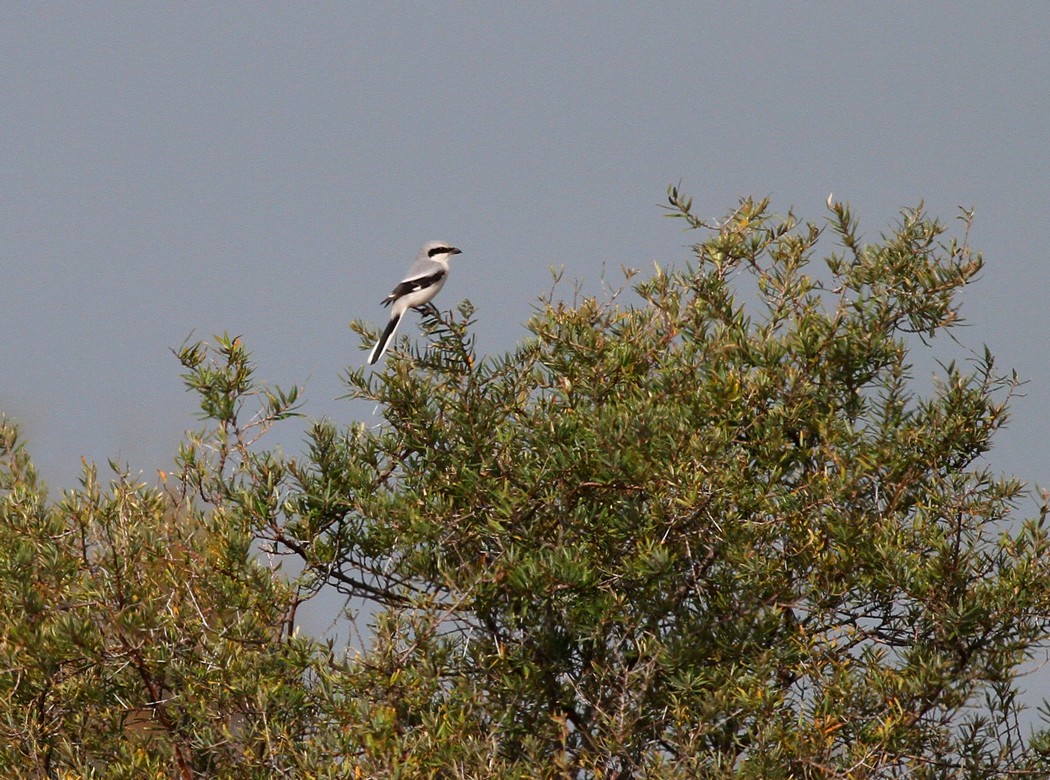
x: 412, y: 285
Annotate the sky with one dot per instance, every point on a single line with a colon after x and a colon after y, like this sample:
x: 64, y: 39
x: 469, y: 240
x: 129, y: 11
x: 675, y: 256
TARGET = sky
x: 171, y: 171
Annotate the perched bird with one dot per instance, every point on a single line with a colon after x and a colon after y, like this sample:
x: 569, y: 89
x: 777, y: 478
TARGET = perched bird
x: 426, y: 276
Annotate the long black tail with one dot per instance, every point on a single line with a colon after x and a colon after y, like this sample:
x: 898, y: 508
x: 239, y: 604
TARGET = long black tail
x: 380, y: 347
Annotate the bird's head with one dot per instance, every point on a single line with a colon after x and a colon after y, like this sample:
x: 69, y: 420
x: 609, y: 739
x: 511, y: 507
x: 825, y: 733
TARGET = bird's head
x: 438, y: 250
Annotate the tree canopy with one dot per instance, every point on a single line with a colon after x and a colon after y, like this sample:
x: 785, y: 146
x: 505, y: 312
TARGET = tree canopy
x: 711, y: 524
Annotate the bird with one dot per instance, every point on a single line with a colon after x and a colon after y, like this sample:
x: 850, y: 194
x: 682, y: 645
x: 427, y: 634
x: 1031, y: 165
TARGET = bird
x: 422, y: 282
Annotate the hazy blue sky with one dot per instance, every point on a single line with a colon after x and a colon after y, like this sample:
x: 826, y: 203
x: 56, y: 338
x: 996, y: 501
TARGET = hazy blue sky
x: 271, y: 169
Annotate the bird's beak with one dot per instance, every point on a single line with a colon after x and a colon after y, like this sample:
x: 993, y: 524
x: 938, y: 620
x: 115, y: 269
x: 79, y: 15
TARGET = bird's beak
x: 455, y: 251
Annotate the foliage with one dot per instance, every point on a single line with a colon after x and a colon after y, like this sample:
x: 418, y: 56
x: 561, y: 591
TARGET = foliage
x: 140, y: 637
x: 710, y: 525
